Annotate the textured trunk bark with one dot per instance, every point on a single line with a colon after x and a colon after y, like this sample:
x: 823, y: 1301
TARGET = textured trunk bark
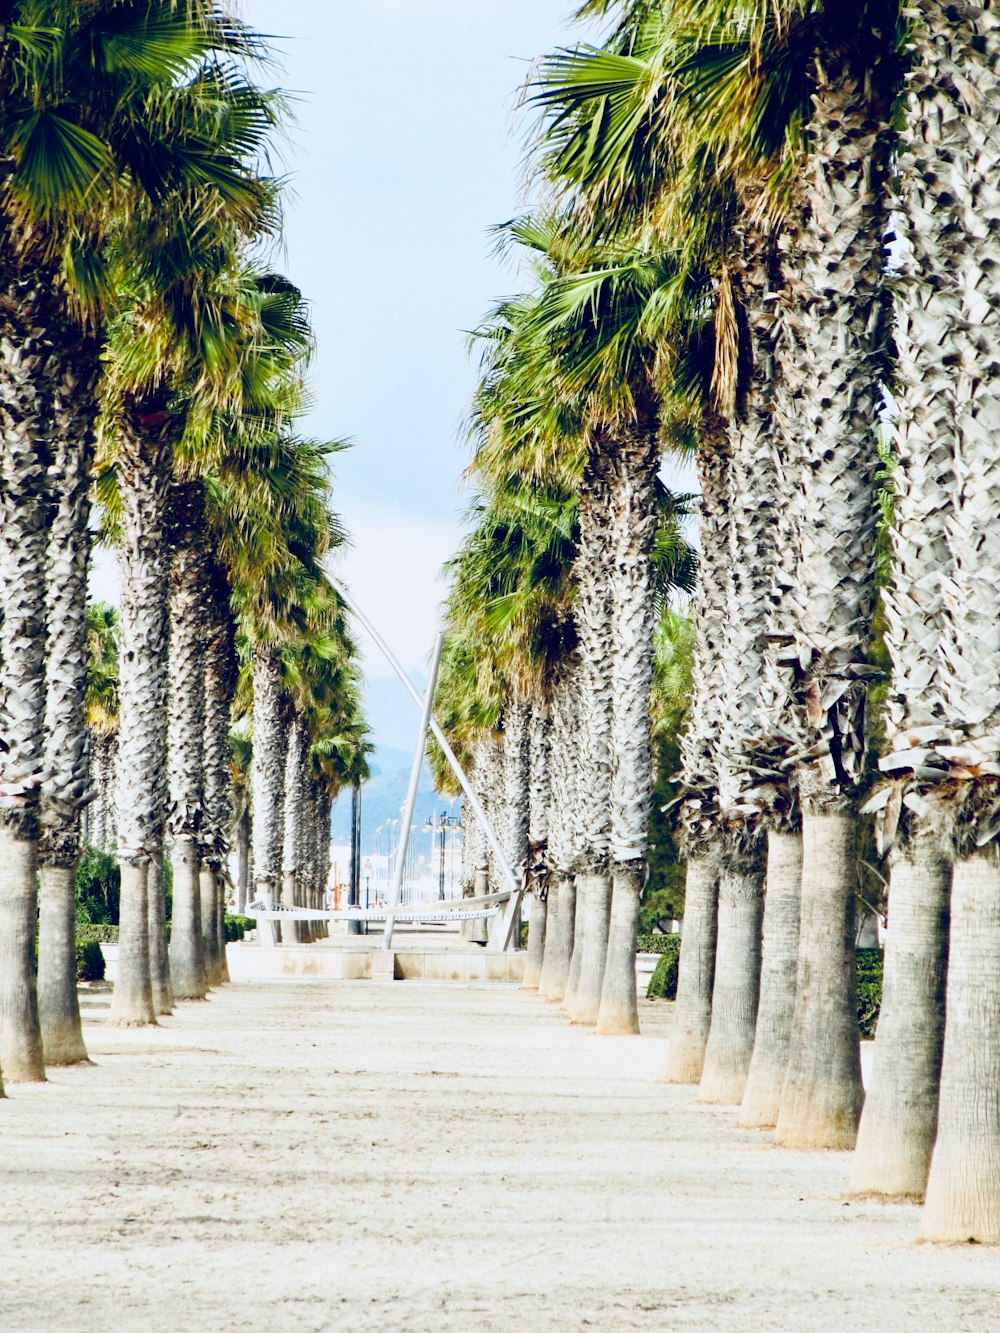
x: 577, y: 936
x: 208, y: 904
x: 633, y: 621
x: 20, y: 1031
x: 779, y: 961
x: 242, y: 862
x: 145, y: 461
x: 619, y: 1011
x: 561, y: 941
x: 72, y: 377
x: 899, y: 1121
x: 270, y: 737
x: 537, y: 923
x: 584, y: 1004
x: 220, y: 927
x: 190, y: 627
x: 159, y: 964
x: 736, y: 988
x: 187, y: 950
x: 132, y: 1002
x: 58, y: 1007
x: 696, y: 973
x: 822, y: 1097
x: 293, y: 820
x: 551, y: 937
x: 963, y: 1188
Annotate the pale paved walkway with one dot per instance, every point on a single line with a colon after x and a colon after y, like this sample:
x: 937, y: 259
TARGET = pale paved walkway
x: 399, y: 1156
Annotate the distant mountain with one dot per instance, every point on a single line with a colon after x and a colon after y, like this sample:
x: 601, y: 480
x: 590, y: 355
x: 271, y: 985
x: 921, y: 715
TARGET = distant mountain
x: 382, y: 798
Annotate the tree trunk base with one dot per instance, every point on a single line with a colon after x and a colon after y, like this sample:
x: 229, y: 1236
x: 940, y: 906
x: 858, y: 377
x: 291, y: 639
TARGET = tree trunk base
x: 619, y: 1012
x: 823, y: 1094
x: 536, y: 943
x: 187, y: 956
x: 737, y: 986
x: 58, y: 1004
x: 779, y: 960
x: 586, y: 999
x: 963, y: 1187
x: 696, y: 971
x: 560, y: 938
x: 899, y: 1121
x: 132, y: 1000
x: 20, y: 1032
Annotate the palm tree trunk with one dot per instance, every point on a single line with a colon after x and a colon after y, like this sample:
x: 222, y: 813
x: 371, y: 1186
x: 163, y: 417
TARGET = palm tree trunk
x: 67, y: 779
x: 592, y: 614
x: 700, y: 755
x: 189, y: 631
x: 780, y: 950
x: 563, y: 834
x: 242, y: 862
x: 635, y: 521
x: 213, y: 941
x: 736, y: 987
x: 159, y: 960
x: 899, y: 1121
x: 145, y: 454
x: 963, y: 1188
x: 559, y: 942
x: 25, y: 344
x: 270, y: 737
x: 217, y: 784
x: 291, y: 861
x: 539, y: 794
x: 695, y: 973
x: 578, y: 936
x: 823, y: 1093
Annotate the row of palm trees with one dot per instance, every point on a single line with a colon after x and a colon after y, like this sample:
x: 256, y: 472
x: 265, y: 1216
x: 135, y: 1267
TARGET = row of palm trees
x: 147, y: 348
x: 769, y: 232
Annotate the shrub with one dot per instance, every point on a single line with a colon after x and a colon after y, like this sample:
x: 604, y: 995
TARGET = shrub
x: 97, y: 934
x: 869, y: 973
x: 237, y: 927
x: 658, y: 944
x: 663, y: 982
x: 98, y: 887
x: 89, y: 961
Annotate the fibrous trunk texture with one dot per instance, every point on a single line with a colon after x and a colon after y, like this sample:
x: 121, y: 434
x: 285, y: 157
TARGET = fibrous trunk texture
x: 144, y: 466
x: 634, y: 614
x: 27, y: 314
x: 217, y: 787
x: 156, y: 914
x: 736, y: 987
x: 899, y: 1120
x: 563, y: 834
x: 695, y: 972
x: 189, y: 628
x: 268, y: 776
x: 822, y: 1096
x: 539, y: 795
x: 516, y: 779
x: 592, y: 614
x: 963, y: 1188
x: 242, y: 861
x: 779, y: 959
x: 72, y: 377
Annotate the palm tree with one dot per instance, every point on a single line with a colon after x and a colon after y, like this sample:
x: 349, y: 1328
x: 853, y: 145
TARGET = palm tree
x: 69, y: 137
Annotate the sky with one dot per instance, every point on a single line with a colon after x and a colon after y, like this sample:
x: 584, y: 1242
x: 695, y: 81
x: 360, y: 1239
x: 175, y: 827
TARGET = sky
x: 408, y: 148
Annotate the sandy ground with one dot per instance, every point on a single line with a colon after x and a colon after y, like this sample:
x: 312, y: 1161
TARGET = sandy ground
x: 352, y: 1155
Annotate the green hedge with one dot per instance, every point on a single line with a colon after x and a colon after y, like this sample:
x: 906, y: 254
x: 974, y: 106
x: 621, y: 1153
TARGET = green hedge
x: 663, y: 982
x: 89, y: 933
x: 869, y: 963
x: 89, y: 961
x: 658, y: 944
x: 237, y: 927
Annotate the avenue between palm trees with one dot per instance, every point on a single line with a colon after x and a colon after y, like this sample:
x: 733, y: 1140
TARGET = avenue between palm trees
x: 760, y: 236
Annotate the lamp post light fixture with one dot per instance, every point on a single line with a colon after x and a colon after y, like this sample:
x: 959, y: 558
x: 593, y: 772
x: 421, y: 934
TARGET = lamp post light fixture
x: 440, y: 824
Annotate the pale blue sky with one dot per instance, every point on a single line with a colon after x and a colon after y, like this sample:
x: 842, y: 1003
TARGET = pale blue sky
x: 408, y: 148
